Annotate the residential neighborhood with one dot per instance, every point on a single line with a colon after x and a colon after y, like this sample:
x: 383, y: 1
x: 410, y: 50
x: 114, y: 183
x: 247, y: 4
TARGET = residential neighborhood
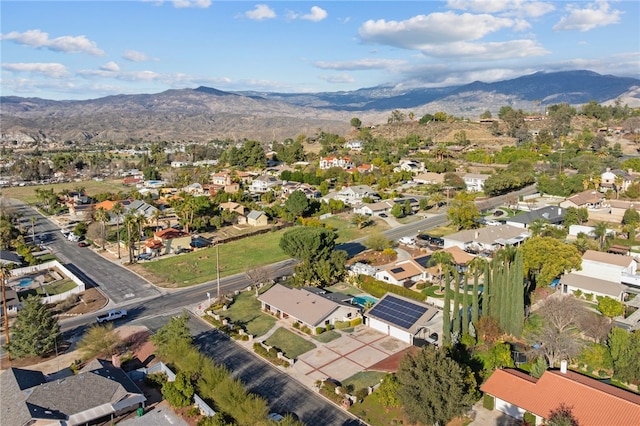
x: 355, y: 274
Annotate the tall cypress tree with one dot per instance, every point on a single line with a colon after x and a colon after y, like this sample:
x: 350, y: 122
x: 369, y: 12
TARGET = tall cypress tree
x: 518, y: 297
x: 456, y: 302
x: 446, y: 312
x: 475, y: 307
x: 465, y: 304
x: 486, y: 288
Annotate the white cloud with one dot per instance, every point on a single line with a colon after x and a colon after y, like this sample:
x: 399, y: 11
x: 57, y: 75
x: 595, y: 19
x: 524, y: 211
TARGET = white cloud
x: 53, y: 70
x: 67, y: 44
x: 486, y: 51
x: 523, y: 8
x: 433, y: 29
x: 135, y: 56
x: 139, y: 76
x: 317, y: 14
x: 592, y: 16
x: 361, y: 64
x: 341, y: 78
x: 110, y: 66
x: 260, y: 12
x: 200, y: 4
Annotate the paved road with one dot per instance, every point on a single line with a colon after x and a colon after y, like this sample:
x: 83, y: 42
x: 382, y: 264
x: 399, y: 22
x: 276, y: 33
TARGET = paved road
x: 283, y: 393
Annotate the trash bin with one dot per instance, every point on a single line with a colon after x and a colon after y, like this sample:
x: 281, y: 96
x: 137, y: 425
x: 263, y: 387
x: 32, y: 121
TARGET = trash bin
x: 140, y: 411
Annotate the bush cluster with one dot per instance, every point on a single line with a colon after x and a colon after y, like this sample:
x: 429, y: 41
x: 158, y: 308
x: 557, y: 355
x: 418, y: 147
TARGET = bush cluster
x: 271, y: 355
x: 378, y: 289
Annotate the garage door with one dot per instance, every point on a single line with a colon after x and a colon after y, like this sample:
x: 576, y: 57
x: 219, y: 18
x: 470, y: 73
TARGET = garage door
x: 509, y: 409
x: 378, y: 325
x: 401, y: 335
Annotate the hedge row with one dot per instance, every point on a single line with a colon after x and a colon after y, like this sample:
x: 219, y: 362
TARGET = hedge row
x: 271, y: 355
x: 378, y: 289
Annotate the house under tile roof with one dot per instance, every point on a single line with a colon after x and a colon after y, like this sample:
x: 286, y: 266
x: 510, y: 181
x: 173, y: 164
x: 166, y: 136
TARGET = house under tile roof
x: 592, y: 402
x: 609, y: 258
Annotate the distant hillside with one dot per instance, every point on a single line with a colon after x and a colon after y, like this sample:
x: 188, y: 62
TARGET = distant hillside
x: 205, y: 114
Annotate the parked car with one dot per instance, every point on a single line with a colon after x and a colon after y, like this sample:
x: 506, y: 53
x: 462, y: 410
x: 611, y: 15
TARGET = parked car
x: 112, y: 315
x: 83, y: 244
x: 182, y: 250
x: 276, y: 417
x: 144, y: 256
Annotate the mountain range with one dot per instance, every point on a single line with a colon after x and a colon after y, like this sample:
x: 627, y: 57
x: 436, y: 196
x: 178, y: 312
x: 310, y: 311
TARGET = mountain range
x: 204, y: 114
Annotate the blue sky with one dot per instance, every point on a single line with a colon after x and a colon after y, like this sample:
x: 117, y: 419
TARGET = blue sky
x: 90, y: 49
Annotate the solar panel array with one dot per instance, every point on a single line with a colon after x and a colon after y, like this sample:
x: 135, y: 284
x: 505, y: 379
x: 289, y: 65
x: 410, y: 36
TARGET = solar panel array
x: 398, y: 311
x: 397, y: 270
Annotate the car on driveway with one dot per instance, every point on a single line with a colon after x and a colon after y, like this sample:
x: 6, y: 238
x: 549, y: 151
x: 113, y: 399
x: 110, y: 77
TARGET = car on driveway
x: 144, y: 256
x: 182, y: 250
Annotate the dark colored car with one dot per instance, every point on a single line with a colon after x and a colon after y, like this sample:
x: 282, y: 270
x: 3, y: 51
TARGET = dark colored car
x: 183, y: 250
x: 83, y: 244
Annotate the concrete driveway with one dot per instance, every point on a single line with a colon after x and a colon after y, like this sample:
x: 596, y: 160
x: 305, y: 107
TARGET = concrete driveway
x: 345, y: 356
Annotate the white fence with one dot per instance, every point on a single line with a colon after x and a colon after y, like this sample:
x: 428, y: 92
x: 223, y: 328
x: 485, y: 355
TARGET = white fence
x: 54, y: 264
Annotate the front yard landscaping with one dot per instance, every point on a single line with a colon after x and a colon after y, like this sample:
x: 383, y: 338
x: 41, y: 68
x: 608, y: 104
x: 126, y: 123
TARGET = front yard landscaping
x: 245, y: 311
x: 291, y: 345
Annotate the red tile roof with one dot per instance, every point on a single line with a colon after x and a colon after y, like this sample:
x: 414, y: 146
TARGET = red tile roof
x: 592, y: 402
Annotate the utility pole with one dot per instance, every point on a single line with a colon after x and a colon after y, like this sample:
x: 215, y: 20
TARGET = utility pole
x: 4, y: 279
x: 218, y: 266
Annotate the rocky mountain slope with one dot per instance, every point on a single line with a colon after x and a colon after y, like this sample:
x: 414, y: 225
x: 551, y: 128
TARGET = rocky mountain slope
x: 205, y: 114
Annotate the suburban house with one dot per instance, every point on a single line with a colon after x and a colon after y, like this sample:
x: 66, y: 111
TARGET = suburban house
x: 590, y: 199
x: 429, y: 178
x: 354, y: 145
x: 309, y: 191
x: 13, y: 302
x: 592, y: 402
x: 257, y: 218
x: 574, y: 281
x: 550, y: 214
x: 342, y: 162
x: 486, y: 240
x: 140, y: 207
x: 99, y: 391
x: 354, y: 194
x: 306, y: 307
x: 616, y: 180
x: 405, y: 319
x: 169, y: 240
x: 221, y: 178
x: 475, y: 181
x: 264, y: 183
x: 384, y: 206
x: 410, y: 166
x: 233, y: 207
x: 617, y: 209
x: 10, y: 258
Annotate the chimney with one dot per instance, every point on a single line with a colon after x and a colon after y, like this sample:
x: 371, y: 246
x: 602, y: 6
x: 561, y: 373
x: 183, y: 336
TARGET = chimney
x: 563, y: 367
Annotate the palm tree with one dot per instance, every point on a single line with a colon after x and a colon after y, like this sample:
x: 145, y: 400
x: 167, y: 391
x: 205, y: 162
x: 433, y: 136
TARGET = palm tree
x: 33, y: 220
x: 444, y: 260
x: 141, y: 221
x: 156, y: 216
x: 437, y: 199
x: 600, y: 232
x: 117, y: 210
x: 130, y: 223
x: 101, y: 215
x: 5, y: 273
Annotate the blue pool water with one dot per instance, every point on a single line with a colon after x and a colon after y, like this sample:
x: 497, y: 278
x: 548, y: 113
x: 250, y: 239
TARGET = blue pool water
x: 361, y: 300
x: 25, y: 282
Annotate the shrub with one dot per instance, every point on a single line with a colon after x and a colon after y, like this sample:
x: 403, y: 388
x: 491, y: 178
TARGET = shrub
x: 389, y: 252
x: 320, y: 330
x: 193, y: 412
x: 342, y: 324
x: 155, y: 380
x: 305, y: 329
x: 588, y: 296
x: 328, y: 327
x: 421, y: 286
x: 75, y: 366
x: 529, y: 418
x: 362, y: 393
x: 577, y: 293
x: 378, y: 289
x: 296, y: 325
x: 488, y: 401
x: 356, y: 321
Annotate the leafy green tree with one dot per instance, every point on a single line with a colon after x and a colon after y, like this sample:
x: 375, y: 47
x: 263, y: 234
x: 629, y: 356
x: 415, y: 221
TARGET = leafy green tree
x: 98, y: 340
x: 546, y: 258
x: 624, y: 347
x: 575, y: 216
x: 308, y: 243
x: 178, y: 393
x: 388, y: 391
x: 463, y: 212
x: 151, y: 173
x: 498, y: 356
x: 297, y: 204
x: 173, y: 332
x: 631, y: 216
x: 596, y: 357
x: 36, y: 331
x: 538, y: 367
x: 378, y: 242
x: 433, y: 387
x: 355, y: 122
x: 397, y: 211
x: 610, y: 307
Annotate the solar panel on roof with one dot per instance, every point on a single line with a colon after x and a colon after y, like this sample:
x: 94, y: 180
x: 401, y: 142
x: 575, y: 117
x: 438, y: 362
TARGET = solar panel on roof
x: 398, y: 311
x: 396, y: 270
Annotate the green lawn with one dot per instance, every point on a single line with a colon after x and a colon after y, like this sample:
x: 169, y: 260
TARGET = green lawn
x: 327, y: 336
x: 289, y: 343
x: 245, y: 310
x: 348, y: 232
x: 235, y: 257
x: 50, y: 289
x: 344, y: 288
x: 364, y: 379
x: 92, y: 187
x: 376, y: 414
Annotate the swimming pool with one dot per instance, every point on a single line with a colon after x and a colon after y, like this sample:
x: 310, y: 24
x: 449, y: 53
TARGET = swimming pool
x: 362, y: 300
x: 25, y: 282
